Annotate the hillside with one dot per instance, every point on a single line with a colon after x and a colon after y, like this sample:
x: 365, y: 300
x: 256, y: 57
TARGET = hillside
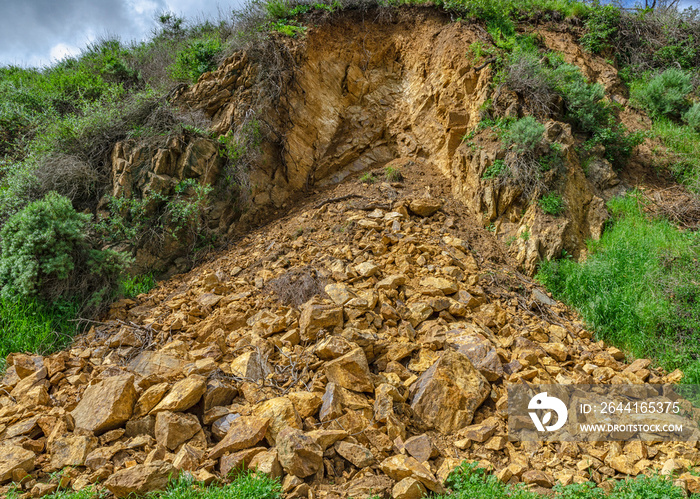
x: 345, y: 207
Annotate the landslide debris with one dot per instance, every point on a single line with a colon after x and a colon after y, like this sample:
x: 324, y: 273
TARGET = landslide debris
x: 380, y: 384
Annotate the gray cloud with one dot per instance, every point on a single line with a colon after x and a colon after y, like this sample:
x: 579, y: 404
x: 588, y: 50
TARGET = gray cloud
x: 33, y: 32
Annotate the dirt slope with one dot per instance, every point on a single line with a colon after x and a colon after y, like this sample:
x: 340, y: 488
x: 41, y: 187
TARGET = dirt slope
x: 381, y: 383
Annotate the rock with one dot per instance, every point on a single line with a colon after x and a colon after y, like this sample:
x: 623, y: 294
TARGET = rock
x: 538, y: 477
x: 141, y: 479
x: 447, y: 395
x: 408, y: 488
x: 480, y: 432
x: 367, y: 486
x: 266, y: 462
x: 244, y: 433
x: 479, y: 350
x: 305, y: 403
x: 281, y: 413
x: 392, y: 281
x: 424, y: 207
x: 43, y: 489
x: 399, y: 467
x: 184, y: 394
x: 326, y: 438
x: 106, y: 405
x: 350, y: 371
x: 315, y: 317
x: 26, y: 365
x: 218, y: 393
x: 250, y: 366
x: 238, y: 461
x: 419, y: 447
x: 340, y: 293
x: 366, y: 269
x: 188, y: 458
x: 13, y: 458
x: 332, y: 347
x: 149, y: 399
x: 447, y: 286
x: 174, y: 428
x: 70, y: 450
x: 299, y: 454
x: 221, y: 426
x: 358, y: 455
x: 149, y: 363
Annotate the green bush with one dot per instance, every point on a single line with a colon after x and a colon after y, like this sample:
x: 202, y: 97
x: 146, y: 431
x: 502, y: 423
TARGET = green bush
x: 692, y: 116
x: 44, y: 251
x: 551, y: 204
x: 524, y: 135
x: 497, y: 169
x: 601, y: 26
x: 638, y: 288
x: 198, y: 57
x: 666, y: 95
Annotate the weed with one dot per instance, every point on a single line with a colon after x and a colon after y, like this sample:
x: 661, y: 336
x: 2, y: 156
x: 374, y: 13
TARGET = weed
x: 392, y: 174
x: 497, y: 169
x: 132, y: 286
x: 368, y: 178
x: 551, y: 204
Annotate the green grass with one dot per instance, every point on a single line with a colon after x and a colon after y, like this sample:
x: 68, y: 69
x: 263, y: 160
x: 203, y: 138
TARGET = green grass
x: 638, y: 289
x: 684, y: 142
x: 30, y: 326
x: 468, y: 482
x: 551, y: 204
x: 247, y: 486
x: 132, y: 286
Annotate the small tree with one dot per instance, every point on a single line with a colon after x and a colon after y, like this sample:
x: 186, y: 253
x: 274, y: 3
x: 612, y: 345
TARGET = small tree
x: 45, y: 251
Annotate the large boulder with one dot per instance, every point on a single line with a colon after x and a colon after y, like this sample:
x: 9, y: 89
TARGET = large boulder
x: 299, y: 454
x: 106, y: 405
x: 447, y: 395
x: 14, y: 457
x: 243, y: 433
x: 141, y: 479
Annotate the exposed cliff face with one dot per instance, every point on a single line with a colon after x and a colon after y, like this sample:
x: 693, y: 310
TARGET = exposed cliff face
x: 356, y: 93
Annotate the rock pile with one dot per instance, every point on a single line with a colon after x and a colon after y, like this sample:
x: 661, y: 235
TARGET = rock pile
x: 390, y: 372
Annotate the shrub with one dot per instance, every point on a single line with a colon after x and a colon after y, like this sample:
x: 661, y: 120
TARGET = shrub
x: 666, y: 94
x: 195, y: 59
x: 45, y: 252
x: 525, y: 74
x: 692, y: 116
x: 524, y: 135
x: 497, y: 169
x: 552, y: 204
x: 601, y: 26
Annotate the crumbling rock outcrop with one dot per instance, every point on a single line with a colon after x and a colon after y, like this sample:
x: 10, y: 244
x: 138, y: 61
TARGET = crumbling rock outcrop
x: 353, y: 95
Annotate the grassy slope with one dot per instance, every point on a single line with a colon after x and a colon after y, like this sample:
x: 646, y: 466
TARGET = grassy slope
x: 638, y: 288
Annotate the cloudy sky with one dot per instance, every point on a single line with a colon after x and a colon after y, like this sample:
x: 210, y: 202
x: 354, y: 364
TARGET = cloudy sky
x: 37, y: 32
